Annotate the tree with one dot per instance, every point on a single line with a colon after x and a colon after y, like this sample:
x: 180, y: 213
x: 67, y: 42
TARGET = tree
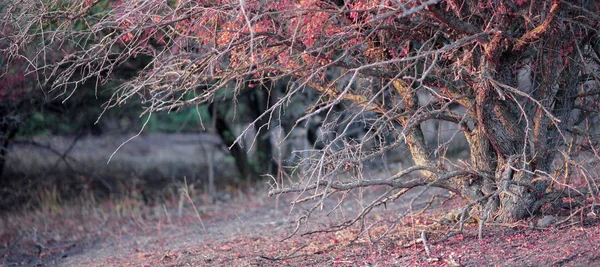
x: 23, y: 87
x: 519, y: 79
x: 17, y: 97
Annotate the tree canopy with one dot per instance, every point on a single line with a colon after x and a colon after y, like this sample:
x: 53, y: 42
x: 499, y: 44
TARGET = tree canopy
x: 518, y: 79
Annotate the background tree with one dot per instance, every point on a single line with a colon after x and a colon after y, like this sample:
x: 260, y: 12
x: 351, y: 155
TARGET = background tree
x: 518, y: 79
x: 252, y: 104
x: 15, y: 97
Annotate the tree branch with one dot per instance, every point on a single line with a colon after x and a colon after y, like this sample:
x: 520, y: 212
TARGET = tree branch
x: 539, y: 31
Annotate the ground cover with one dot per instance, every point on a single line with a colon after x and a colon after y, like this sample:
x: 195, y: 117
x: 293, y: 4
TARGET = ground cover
x: 253, y: 229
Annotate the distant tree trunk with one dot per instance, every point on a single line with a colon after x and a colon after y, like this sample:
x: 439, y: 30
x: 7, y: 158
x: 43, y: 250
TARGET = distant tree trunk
x: 237, y: 151
x: 211, y: 160
x: 264, y: 162
x: 257, y: 102
x: 8, y: 133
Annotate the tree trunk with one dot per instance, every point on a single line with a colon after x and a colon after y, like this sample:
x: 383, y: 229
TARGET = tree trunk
x: 483, y: 159
x: 8, y: 133
x: 237, y: 151
x: 509, y: 144
x: 264, y: 162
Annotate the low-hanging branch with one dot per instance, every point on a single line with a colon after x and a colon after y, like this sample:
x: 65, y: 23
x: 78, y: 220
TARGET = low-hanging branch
x: 440, y: 180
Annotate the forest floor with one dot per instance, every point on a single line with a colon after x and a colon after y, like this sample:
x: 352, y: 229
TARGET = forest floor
x: 249, y: 230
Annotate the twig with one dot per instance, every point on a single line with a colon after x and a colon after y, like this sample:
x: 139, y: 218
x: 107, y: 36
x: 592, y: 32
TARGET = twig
x: 571, y: 216
x: 287, y: 256
x: 425, y: 243
x: 426, y: 206
x: 37, y: 244
x: 64, y: 156
x: 185, y: 191
x: 304, y: 217
x: 69, y: 149
x: 564, y: 260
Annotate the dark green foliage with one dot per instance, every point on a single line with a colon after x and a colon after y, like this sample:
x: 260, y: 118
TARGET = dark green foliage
x: 187, y: 120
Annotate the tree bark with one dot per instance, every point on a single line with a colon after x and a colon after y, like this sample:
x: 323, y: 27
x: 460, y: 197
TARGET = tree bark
x: 484, y: 160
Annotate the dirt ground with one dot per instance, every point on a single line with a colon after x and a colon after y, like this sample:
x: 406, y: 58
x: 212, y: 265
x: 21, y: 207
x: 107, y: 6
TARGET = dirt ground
x: 248, y: 231
x: 248, y: 228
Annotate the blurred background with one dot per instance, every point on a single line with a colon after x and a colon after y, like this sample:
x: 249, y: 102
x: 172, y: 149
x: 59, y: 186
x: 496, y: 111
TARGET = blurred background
x: 56, y: 149
x: 58, y: 145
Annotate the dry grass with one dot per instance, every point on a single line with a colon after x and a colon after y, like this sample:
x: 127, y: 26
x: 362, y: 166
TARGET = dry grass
x: 248, y: 231
x: 186, y: 229
x: 153, y: 165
